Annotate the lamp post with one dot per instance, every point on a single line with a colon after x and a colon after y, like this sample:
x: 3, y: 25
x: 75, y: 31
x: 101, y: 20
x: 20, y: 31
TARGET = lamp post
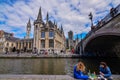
x: 91, y: 18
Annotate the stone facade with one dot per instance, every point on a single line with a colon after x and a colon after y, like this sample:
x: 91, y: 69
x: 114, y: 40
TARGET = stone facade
x: 25, y: 45
x: 47, y: 36
x: 7, y: 41
x: 10, y: 43
x: 70, y: 40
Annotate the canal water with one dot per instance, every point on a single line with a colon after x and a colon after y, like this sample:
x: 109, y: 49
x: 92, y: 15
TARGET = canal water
x: 54, y: 66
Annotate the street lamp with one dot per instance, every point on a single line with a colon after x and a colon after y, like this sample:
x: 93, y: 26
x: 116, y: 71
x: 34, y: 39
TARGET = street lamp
x: 91, y: 18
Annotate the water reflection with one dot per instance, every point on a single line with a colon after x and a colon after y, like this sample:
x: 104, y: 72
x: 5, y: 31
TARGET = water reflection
x: 52, y: 65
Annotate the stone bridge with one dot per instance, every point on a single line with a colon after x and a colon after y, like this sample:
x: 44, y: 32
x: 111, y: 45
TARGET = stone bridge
x: 104, y: 38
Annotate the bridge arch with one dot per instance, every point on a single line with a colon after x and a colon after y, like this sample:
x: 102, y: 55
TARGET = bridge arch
x: 104, y: 44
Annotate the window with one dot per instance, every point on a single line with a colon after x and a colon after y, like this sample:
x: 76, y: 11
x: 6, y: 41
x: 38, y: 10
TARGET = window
x: 20, y: 45
x: 42, y: 34
x: 12, y: 44
x: 51, y: 43
x: 29, y: 44
x: 51, y: 34
x: 36, y: 26
x: 7, y: 44
x: 26, y: 44
x: 42, y: 43
x: 23, y: 44
x: 17, y: 44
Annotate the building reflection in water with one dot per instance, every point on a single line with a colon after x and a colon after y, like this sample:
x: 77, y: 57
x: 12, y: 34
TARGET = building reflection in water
x: 52, y: 66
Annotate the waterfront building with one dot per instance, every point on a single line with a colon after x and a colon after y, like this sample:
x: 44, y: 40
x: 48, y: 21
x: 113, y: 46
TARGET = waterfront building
x: 7, y: 41
x: 25, y: 45
x: 47, y: 36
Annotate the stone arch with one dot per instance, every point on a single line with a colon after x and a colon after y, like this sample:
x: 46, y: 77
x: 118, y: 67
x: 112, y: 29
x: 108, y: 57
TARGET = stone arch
x: 103, y: 43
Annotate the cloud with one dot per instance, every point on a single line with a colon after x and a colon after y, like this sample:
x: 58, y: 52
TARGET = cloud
x: 72, y: 14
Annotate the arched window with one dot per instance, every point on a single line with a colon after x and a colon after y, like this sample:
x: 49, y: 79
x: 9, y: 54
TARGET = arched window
x: 12, y: 44
x: 36, y: 26
x: 7, y: 44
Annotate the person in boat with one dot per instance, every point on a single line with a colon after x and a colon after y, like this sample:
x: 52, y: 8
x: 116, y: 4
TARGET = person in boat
x: 78, y: 71
x: 105, y: 71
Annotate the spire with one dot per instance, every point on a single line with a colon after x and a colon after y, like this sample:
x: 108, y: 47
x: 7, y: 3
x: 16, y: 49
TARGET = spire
x: 54, y: 22
x: 39, y: 15
x: 47, y: 17
x: 61, y: 28
x: 29, y: 23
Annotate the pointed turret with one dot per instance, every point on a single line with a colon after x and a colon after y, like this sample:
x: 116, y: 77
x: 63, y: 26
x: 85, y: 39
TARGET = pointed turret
x: 39, y: 18
x: 54, y: 22
x: 29, y: 23
x: 47, y: 17
x: 61, y: 28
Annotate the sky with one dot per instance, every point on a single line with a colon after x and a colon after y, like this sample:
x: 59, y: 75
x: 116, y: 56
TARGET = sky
x: 71, y: 14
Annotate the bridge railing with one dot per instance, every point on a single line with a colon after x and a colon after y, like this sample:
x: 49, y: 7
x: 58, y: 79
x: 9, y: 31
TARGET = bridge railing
x: 113, y: 13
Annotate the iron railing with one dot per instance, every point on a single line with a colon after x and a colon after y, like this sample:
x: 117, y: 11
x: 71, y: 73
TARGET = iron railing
x: 113, y: 13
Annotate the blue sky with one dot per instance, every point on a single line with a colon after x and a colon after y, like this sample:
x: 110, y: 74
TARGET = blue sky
x: 72, y: 14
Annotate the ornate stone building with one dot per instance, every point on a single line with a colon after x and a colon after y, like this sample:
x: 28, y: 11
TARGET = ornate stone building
x: 7, y: 41
x: 47, y: 36
x: 25, y: 44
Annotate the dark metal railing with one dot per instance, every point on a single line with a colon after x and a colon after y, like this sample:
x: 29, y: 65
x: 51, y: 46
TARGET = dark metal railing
x: 113, y: 13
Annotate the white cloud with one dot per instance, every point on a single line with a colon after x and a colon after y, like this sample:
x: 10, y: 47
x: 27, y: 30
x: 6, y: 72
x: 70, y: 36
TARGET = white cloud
x: 73, y: 18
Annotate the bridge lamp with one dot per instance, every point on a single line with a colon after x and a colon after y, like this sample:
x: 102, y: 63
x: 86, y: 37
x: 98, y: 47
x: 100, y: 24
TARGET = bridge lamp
x: 91, y: 18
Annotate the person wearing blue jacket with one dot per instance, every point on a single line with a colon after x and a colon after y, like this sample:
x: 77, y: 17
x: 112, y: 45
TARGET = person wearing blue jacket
x: 105, y: 71
x: 78, y: 71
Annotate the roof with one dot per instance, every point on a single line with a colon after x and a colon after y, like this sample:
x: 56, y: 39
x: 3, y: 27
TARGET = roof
x: 31, y: 39
x: 51, y: 24
x: 11, y: 39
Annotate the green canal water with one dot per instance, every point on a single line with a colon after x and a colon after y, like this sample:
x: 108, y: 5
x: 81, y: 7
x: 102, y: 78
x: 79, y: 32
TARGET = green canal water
x: 53, y: 66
